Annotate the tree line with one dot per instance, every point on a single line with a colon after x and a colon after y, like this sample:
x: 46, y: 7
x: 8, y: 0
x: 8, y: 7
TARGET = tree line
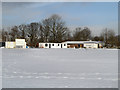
x: 54, y: 29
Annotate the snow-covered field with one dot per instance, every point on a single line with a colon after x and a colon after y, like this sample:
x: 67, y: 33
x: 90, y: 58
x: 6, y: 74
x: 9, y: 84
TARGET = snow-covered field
x: 0, y: 68
x: 60, y: 68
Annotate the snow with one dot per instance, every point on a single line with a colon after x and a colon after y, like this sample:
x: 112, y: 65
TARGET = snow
x: 60, y: 68
x: 0, y: 68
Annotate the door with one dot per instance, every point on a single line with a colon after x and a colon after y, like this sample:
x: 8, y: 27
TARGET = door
x: 49, y: 45
x: 98, y: 46
x: 61, y: 45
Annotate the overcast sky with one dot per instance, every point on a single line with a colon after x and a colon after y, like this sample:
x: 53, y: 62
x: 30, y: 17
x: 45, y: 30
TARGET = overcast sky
x: 95, y: 15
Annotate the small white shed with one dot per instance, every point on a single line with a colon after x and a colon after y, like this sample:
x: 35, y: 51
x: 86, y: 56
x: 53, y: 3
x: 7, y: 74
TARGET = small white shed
x: 90, y: 45
x: 9, y: 44
x: 19, y: 43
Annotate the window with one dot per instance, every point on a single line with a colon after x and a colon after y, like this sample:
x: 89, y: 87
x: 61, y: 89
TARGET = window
x: 58, y: 44
x: 64, y: 44
x: 52, y: 44
x: 46, y: 45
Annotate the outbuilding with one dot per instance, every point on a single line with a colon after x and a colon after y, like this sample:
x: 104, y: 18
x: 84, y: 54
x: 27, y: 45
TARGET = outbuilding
x: 84, y: 44
x: 72, y: 44
x: 19, y: 43
x: 9, y: 44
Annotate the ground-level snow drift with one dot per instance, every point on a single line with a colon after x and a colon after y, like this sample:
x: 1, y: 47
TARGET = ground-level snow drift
x: 60, y: 68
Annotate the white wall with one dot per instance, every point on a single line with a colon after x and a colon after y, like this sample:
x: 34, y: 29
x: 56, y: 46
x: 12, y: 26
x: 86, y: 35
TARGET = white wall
x: 90, y: 45
x: 42, y: 45
x: 24, y: 45
x: 20, y: 42
x: 17, y: 43
x: 10, y: 45
x: 53, y: 45
x: 64, y: 45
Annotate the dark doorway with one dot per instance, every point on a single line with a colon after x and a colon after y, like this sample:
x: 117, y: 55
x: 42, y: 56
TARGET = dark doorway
x: 49, y: 45
x: 2, y: 44
x: 61, y: 45
x: 80, y: 45
x: 98, y: 46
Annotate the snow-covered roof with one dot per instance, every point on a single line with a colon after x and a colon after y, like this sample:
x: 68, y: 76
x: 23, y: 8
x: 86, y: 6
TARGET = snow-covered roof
x: 81, y: 42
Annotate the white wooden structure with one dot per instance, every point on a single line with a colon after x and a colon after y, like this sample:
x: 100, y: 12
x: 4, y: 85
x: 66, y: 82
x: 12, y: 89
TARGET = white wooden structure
x: 92, y: 45
x: 84, y: 44
x: 19, y: 43
x: 9, y: 44
x: 52, y: 45
x: 72, y: 44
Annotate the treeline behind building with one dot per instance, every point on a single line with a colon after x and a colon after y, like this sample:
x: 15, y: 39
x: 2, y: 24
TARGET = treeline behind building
x: 54, y: 29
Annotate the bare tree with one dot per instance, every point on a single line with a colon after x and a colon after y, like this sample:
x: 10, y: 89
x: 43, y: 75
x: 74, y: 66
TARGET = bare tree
x: 54, y: 29
x: 22, y: 28
x: 67, y: 36
x: 109, y: 37
x: 86, y: 33
x: 32, y: 30
x: 98, y: 38
x: 45, y: 30
x: 4, y: 33
x: 14, y: 33
x: 82, y: 34
x: 77, y: 34
x: 40, y: 33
